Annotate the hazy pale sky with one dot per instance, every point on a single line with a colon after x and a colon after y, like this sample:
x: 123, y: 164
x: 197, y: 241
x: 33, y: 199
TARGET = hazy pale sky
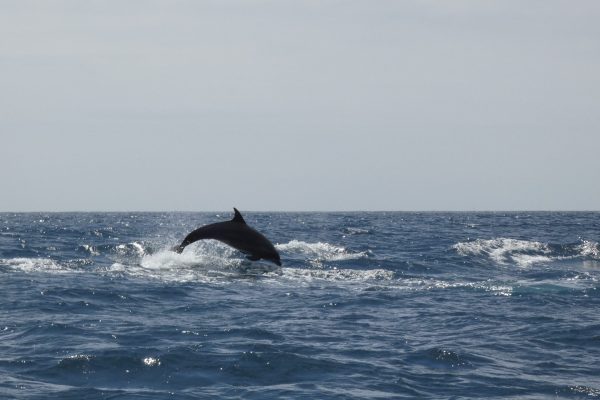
x: 299, y: 105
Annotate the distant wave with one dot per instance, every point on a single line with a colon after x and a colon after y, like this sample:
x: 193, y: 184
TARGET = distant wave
x: 524, y: 252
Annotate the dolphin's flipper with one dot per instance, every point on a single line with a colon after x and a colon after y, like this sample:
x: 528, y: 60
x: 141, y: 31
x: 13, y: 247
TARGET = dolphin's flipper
x: 253, y: 257
x: 238, y: 216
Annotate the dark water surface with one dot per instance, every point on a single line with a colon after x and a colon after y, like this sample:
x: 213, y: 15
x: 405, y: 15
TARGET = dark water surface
x: 366, y: 305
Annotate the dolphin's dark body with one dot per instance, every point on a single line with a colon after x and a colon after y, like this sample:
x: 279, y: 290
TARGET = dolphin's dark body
x: 237, y: 234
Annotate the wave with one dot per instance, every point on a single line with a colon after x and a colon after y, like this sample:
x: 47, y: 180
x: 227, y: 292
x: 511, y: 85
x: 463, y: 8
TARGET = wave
x: 211, y: 261
x: 205, y: 261
x: 524, y: 252
x: 320, y: 251
x: 191, y: 267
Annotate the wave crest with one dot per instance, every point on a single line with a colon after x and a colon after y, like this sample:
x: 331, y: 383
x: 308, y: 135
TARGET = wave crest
x: 212, y: 261
x: 524, y: 252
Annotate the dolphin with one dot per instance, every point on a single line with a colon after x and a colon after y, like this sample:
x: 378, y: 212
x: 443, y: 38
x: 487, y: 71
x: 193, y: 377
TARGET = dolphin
x: 237, y: 234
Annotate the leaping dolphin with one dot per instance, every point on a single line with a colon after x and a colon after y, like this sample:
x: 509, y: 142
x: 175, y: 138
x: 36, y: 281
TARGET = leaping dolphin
x: 237, y: 234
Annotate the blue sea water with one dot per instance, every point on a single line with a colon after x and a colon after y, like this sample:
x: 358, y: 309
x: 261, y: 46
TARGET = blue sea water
x: 367, y: 305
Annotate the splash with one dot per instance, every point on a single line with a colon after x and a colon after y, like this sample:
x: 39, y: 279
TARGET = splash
x: 208, y: 262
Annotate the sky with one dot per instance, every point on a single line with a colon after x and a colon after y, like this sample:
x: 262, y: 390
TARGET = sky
x: 299, y: 105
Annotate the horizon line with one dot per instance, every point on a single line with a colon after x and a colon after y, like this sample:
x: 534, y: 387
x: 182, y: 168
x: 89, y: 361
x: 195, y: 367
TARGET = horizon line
x: 302, y: 211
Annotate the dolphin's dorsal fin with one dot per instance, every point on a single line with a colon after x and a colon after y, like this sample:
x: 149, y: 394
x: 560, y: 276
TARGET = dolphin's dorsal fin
x: 237, y: 217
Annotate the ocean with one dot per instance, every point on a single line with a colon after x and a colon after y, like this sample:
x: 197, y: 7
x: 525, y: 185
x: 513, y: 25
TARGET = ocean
x: 367, y: 305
